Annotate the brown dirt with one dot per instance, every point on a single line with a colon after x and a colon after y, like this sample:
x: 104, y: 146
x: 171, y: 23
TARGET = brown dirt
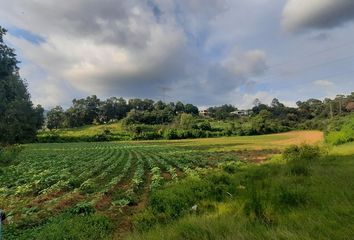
x: 300, y: 137
x: 46, y: 197
x: 256, y: 156
x: 69, y: 202
x: 167, y: 176
x: 125, y: 224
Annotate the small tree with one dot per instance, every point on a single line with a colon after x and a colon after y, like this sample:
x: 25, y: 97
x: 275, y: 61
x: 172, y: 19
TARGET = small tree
x: 186, y: 121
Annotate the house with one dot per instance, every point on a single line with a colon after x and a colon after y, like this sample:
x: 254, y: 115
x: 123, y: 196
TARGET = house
x: 350, y: 107
x: 204, y: 113
x: 241, y: 112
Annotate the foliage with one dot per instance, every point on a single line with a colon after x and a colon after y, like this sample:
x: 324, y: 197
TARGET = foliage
x: 92, y: 110
x: 8, y: 155
x: 341, y: 131
x: 223, y: 112
x: 19, y: 119
x: 67, y: 226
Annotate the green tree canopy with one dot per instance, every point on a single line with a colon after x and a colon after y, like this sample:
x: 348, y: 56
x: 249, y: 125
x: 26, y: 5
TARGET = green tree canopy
x: 19, y: 120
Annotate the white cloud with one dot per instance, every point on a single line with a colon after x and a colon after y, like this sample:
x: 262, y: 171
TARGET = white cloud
x: 323, y: 83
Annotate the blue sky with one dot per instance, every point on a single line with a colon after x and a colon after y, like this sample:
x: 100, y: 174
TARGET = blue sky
x: 207, y: 52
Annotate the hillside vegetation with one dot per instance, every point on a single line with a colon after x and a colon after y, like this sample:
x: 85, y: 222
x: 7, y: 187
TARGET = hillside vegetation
x: 341, y: 130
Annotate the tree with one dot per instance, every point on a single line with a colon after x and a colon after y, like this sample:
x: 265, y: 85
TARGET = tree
x: 190, y: 108
x: 19, y: 120
x: 179, y: 108
x: 159, y: 105
x: 55, y: 118
x: 142, y: 105
x: 39, y: 110
x: 222, y: 112
x: 113, y: 108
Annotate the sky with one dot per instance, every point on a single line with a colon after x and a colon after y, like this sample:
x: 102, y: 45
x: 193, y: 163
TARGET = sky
x: 206, y: 52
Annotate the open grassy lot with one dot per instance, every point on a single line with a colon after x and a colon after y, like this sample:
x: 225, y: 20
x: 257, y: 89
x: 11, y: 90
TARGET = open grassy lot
x: 44, y: 182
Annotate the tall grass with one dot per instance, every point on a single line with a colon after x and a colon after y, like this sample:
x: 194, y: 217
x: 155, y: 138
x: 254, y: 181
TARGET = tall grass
x: 272, y: 202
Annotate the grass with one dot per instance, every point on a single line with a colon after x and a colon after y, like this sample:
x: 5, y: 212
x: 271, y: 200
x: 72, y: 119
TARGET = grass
x: 273, y: 203
x: 89, y: 130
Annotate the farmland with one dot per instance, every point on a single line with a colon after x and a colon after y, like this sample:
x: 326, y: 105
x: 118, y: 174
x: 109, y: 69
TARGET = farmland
x: 116, y: 178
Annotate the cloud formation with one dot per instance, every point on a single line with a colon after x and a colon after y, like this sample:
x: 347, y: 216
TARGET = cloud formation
x: 302, y: 15
x: 126, y: 48
x: 207, y: 52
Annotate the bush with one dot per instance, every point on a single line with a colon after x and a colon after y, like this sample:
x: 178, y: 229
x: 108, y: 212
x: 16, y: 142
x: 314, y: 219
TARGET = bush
x: 83, y: 209
x: 337, y: 138
x: 301, y: 153
x: 9, y: 154
x: 146, y: 136
x: 205, y: 126
x: 170, y: 134
x: 299, y: 158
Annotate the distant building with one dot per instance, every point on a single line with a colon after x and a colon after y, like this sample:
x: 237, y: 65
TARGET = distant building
x: 350, y: 107
x: 241, y: 112
x: 204, y: 113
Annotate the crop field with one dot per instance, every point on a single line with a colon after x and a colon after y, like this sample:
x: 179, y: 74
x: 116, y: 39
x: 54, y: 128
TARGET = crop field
x: 117, y: 177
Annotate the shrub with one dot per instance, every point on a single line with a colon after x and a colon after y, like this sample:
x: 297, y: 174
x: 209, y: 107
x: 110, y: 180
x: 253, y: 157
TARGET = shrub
x: 83, y: 209
x: 336, y: 138
x: 303, y: 152
x: 299, y: 158
x: 170, y: 134
x: 9, y: 154
x: 144, y: 221
x: 205, y: 126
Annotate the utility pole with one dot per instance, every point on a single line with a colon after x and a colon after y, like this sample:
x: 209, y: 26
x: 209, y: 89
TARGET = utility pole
x: 331, y: 110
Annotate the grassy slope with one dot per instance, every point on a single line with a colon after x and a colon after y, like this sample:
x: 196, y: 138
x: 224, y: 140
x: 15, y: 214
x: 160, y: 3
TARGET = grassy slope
x: 326, y: 210
x: 89, y: 130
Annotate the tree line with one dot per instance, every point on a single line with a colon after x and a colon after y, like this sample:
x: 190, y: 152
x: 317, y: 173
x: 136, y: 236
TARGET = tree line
x: 91, y: 110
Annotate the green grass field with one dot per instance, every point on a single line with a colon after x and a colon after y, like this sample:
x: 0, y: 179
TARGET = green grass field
x: 100, y: 190
x: 272, y: 202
